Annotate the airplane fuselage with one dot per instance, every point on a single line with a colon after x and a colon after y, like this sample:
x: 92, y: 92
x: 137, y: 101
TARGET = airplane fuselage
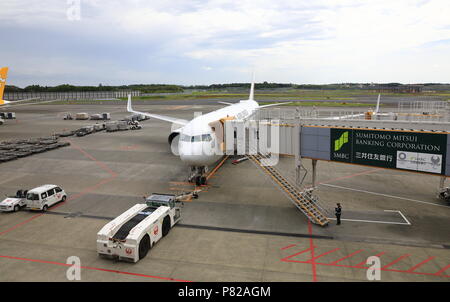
x: 198, y: 143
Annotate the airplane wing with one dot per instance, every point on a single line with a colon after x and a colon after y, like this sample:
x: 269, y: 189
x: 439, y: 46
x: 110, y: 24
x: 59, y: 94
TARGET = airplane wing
x: 270, y: 105
x: 10, y: 104
x: 351, y: 116
x: 156, y: 116
x: 225, y: 103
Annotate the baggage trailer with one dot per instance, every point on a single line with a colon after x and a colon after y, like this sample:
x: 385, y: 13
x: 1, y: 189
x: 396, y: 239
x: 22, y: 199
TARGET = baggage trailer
x: 131, y: 235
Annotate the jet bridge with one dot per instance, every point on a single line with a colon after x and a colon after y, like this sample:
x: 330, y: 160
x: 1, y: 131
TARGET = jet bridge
x: 411, y: 146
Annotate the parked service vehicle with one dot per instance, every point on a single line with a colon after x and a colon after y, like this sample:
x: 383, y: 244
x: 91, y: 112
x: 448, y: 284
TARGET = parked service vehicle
x: 14, y: 203
x: 43, y: 197
x: 85, y: 130
x: 131, y: 235
x: 444, y: 194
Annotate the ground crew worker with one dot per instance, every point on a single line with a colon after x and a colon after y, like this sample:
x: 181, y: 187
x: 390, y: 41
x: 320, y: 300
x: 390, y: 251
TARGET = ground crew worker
x: 338, y: 212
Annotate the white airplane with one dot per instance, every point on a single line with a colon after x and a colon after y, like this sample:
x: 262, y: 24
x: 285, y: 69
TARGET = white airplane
x: 200, y: 137
x: 369, y: 112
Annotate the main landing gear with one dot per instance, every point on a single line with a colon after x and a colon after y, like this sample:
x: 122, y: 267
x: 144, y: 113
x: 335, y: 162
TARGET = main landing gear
x: 197, y: 175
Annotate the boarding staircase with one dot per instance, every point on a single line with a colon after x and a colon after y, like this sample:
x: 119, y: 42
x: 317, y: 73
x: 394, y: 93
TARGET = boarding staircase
x: 303, y: 200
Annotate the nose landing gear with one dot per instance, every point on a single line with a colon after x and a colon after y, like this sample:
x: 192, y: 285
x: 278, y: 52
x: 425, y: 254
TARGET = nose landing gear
x: 197, y: 175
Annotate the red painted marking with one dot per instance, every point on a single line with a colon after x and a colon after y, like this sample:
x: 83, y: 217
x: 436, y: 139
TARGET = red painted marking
x: 94, y: 268
x: 324, y: 254
x: 311, y: 247
x: 377, y: 255
x: 359, y: 266
x: 420, y: 264
x: 439, y: 273
x: 85, y: 191
x: 22, y: 223
x: 395, y: 261
x: 102, y: 165
x: 286, y: 259
x: 348, y: 256
x: 288, y: 247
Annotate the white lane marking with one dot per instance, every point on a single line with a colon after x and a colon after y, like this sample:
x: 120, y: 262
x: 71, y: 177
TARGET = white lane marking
x: 401, y: 214
x: 372, y: 221
x: 387, y: 195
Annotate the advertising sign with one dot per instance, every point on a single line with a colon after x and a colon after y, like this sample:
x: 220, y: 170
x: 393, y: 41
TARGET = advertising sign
x: 415, y: 151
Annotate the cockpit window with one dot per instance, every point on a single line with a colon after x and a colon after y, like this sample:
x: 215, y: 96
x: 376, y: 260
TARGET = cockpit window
x: 185, y: 138
x: 196, y: 138
x: 206, y: 137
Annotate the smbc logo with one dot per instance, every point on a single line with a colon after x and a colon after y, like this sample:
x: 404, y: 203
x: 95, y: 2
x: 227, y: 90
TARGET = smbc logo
x: 341, y: 141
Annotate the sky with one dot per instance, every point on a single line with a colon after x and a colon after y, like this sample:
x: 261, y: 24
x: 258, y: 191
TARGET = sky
x: 190, y: 42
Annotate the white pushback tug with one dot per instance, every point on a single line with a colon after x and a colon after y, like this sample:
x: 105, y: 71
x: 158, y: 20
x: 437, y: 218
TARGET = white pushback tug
x: 131, y: 235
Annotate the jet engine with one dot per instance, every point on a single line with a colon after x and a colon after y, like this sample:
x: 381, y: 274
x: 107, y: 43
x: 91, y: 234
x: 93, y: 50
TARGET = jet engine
x: 173, y: 142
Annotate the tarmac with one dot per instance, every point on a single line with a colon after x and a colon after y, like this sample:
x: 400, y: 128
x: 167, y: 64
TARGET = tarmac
x: 241, y: 228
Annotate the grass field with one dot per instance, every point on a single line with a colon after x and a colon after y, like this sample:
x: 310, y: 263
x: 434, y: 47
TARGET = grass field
x: 323, y: 104
x: 293, y: 94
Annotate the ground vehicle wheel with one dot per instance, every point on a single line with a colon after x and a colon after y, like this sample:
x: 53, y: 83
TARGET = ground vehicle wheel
x: 144, y: 246
x: 166, y: 226
x: 64, y: 198
x: 16, y: 208
x: 45, y: 208
x: 203, y: 180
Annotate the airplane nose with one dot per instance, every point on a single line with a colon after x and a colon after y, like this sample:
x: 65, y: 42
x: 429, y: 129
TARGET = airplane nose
x: 198, y: 160
x: 197, y: 154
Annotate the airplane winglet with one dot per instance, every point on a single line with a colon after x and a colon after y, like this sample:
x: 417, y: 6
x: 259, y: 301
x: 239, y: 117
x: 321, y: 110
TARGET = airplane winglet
x: 129, y: 109
x: 252, y: 89
x: 378, y: 103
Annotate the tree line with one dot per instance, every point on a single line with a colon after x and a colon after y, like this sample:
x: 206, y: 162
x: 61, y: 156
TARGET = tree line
x: 165, y: 88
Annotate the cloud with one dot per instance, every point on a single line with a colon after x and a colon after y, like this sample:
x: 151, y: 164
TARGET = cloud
x: 177, y: 41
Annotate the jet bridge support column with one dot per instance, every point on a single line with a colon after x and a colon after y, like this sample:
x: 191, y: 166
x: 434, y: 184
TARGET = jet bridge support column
x: 298, y: 159
x: 314, y: 172
x: 442, y: 182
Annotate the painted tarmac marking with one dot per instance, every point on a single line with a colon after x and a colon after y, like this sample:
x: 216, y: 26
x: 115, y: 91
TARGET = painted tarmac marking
x: 401, y: 214
x: 365, y: 261
x: 93, y: 268
x: 370, y: 221
x: 420, y: 264
x: 387, y: 268
x: 349, y: 176
x: 441, y: 272
x: 313, y: 259
x: 312, y: 247
x: 386, y: 195
x: 87, y: 190
x: 396, y: 261
x: 288, y: 247
x: 346, y: 257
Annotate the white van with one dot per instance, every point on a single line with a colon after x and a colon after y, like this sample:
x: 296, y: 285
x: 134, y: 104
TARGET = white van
x: 43, y: 197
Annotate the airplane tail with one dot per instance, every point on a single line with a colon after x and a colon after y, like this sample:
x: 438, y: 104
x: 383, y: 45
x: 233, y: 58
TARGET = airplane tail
x: 3, y: 76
